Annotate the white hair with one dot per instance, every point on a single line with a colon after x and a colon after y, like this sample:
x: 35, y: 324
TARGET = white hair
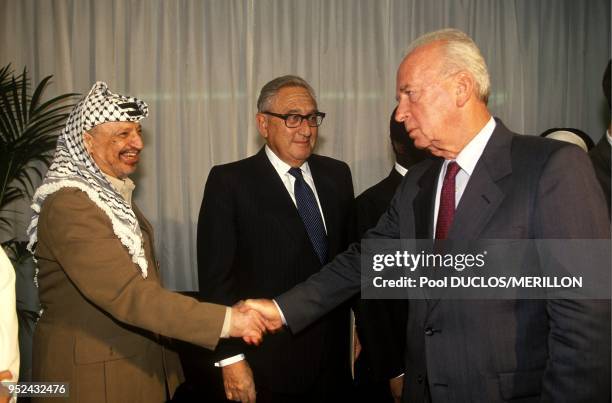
x: 460, y: 53
x: 269, y: 91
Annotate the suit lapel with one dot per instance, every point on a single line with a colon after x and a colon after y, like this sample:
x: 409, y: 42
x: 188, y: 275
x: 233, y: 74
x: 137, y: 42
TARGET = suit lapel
x: 483, y: 196
x: 143, y: 222
x: 147, y: 229
x: 423, y: 204
x: 276, y: 199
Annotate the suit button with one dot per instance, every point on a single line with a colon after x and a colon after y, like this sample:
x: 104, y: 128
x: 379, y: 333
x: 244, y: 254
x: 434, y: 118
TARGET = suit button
x: 429, y: 331
x: 420, y: 378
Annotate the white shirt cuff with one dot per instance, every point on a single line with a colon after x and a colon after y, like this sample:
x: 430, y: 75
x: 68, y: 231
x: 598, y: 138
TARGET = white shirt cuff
x: 229, y: 361
x: 227, y: 322
x: 281, y: 313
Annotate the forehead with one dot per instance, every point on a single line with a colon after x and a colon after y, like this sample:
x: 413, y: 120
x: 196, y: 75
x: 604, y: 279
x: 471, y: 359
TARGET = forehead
x: 421, y: 65
x: 293, y: 99
x: 113, y: 127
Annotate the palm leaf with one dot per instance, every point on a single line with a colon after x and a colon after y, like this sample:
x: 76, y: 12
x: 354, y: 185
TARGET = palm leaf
x: 7, y: 110
x: 57, y: 99
x: 38, y: 93
x: 29, y: 126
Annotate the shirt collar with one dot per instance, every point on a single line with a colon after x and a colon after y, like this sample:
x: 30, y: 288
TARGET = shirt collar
x: 400, y: 169
x: 281, y: 166
x: 469, y: 156
x: 125, y: 187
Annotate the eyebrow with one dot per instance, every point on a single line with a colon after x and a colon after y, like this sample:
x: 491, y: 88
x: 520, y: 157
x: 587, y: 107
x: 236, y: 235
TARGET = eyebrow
x: 297, y: 112
x: 404, y: 87
x: 128, y: 128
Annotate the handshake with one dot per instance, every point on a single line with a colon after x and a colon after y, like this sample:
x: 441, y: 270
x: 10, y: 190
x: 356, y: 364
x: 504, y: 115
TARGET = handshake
x: 252, y: 318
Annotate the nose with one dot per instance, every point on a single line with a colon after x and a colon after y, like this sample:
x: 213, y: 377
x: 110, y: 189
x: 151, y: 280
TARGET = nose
x: 403, y: 110
x: 136, y: 141
x: 304, y: 129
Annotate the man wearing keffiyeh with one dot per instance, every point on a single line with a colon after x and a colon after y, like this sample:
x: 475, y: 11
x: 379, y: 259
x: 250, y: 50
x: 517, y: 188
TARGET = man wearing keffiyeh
x: 106, y: 316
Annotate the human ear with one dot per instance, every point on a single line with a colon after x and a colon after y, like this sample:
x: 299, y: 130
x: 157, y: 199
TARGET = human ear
x: 464, y: 88
x: 88, y: 142
x: 262, y: 125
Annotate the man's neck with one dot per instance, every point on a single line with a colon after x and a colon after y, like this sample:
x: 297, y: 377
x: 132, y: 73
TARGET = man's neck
x: 477, y: 119
x: 470, y: 127
x: 124, y: 186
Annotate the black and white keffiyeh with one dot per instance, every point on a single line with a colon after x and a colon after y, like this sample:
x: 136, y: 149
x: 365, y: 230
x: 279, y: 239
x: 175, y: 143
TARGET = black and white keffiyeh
x: 72, y: 166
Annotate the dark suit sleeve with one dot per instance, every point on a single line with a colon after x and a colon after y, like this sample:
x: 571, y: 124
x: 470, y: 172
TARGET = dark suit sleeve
x: 337, y: 281
x: 216, y: 241
x: 569, y: 204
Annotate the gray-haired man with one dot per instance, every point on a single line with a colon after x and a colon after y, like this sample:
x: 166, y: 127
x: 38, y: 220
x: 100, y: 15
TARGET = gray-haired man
x: 266, y: 223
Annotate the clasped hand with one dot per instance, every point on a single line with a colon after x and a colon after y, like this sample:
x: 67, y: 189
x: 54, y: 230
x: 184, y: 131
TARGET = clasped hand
x: 254, y: 317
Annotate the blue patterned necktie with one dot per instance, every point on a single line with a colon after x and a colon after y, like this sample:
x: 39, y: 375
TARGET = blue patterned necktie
x: 309, y: 212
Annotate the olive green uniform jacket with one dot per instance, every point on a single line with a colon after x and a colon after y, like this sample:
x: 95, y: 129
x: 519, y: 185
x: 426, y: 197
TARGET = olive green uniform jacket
x: 105, y: 328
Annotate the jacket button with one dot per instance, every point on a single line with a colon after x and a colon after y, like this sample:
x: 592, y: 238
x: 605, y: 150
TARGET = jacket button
x: 420, y: 378
x: 429, y: 331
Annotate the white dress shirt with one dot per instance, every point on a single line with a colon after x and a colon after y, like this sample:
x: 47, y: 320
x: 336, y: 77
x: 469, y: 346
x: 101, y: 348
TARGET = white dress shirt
x: 400, y: 169
x: 467, y: 160
x: 282, y: 169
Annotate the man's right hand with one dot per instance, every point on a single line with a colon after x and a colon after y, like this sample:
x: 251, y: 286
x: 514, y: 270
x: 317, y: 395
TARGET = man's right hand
x: 238, y: 382
x: 247, y: 324
x: 268, y: 310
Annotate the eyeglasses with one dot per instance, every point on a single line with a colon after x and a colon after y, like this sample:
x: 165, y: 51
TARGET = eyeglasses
x: 293, y: 120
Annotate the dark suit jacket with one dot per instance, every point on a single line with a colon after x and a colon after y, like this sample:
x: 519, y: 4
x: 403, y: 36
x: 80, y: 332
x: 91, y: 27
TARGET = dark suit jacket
x: 495, y: 350
x: 374, y: 201
x: 252, y: 244
x: 600, y: 157
x: 381, y: 324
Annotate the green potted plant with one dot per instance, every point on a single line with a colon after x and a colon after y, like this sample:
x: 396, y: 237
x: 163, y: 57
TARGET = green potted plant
x: 29, y: 127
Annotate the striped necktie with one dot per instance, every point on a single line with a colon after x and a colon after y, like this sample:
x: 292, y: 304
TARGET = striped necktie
x: 308, y: 209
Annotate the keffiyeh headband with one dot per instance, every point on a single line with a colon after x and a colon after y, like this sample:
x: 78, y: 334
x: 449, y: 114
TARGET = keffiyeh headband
x: 72, y: 166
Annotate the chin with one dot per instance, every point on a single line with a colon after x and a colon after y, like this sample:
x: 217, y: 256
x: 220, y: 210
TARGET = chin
x: 422, y: 146
x: 128, y: 172
x: 301, y: 156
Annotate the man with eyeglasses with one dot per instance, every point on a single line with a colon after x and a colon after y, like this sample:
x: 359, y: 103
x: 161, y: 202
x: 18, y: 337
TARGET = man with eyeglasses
x: 267, y: 223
